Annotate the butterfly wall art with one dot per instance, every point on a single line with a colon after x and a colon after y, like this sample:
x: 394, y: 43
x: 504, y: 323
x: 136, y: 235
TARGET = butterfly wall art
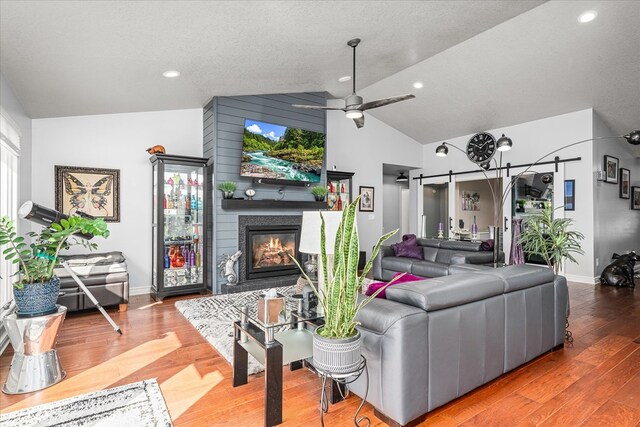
x: 95, y: 192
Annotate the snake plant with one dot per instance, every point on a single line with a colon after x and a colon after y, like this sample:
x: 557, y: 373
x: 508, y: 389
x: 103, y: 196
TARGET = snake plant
x: 339, y: 294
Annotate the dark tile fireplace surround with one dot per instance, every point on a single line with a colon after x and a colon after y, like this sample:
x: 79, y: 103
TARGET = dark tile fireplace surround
x: 258, y: 229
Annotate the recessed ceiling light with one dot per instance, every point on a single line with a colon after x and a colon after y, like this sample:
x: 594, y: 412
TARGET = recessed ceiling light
x: 587, y: 16
x: 344, y: 79
x: 418, y: 85
x: 171, y: 74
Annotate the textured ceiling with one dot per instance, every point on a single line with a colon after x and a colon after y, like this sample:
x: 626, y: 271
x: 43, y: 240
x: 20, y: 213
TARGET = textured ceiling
x: 65, y: 58
x: 539, y: 64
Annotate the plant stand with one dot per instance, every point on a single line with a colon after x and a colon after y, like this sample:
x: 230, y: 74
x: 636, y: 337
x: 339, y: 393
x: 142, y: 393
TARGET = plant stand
x: 343, y: 380
x: 35, y: 364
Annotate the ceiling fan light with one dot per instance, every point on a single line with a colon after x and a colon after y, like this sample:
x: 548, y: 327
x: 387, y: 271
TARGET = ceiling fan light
x: 442, y: 150
x: 504, y: 143
x: 353, y: 114
x: 402, y: 178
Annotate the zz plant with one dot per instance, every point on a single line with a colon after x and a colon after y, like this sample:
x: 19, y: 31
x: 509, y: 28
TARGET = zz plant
x: 550, y: 238
x: 37, y: 260
x: 339, y: 295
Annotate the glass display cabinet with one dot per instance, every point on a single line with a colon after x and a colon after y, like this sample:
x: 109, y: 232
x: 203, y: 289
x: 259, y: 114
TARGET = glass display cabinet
x: 180, y: 213
x: 340, y: 190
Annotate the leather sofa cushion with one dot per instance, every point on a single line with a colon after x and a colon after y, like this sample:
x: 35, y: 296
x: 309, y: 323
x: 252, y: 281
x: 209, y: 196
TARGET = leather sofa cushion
x: 380, y: 314
x: 94, y: 259
x: 444, y: 292
x: 429, y: 253
x: 432, y: 243
x: 397, y: 263
x: 444, y: 255
x: 429, y: 269
x: 459, y: 245
x: 468, y: 268
x: 516, y: 277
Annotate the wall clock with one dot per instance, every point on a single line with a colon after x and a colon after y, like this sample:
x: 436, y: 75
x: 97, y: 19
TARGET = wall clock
x: 481, y: 148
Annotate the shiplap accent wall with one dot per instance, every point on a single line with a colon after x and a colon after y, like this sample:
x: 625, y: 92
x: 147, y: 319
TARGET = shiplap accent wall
x: 223, y: 129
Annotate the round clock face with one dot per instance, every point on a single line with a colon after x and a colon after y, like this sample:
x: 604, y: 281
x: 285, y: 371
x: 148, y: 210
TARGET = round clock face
x: 481, y: 147
x: 250, y: 192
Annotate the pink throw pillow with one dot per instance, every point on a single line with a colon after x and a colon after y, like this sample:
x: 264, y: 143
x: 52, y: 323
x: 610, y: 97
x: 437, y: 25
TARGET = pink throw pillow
x: 406, y: 277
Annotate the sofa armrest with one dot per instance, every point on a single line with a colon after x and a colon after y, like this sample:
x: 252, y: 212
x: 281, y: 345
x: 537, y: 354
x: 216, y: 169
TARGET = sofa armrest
x: 395, y: 342
x: 377, y: 262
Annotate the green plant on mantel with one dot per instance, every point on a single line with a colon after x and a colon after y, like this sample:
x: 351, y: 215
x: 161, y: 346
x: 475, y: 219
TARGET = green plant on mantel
x: 37, y: 260
x: 550, y: 238
x: 319, y: 191
x: 339, y: 295
x: 227, y: 186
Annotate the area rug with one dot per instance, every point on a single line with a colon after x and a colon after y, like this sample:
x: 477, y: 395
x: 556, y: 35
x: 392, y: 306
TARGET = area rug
x: 213, y: 317
x: 139, y: 404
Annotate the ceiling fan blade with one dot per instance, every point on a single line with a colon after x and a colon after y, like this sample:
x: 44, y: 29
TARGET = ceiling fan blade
x: 316, y: 107
x: 385, y: 101
x: 359, y: 122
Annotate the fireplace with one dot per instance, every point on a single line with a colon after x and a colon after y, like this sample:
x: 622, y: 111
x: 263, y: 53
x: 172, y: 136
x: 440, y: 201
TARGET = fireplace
x: 270, y: 249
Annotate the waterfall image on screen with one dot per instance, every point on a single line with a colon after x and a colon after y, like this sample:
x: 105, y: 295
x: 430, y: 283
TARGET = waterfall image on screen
x: 280, y: 152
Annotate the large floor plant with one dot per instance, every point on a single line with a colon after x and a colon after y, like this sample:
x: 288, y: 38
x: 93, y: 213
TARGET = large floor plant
x: 338, y: 295
x: 36, y: 286
x: 550, y: 238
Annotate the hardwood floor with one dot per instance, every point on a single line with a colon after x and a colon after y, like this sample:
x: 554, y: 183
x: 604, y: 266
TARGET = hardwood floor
x: 594, y: 382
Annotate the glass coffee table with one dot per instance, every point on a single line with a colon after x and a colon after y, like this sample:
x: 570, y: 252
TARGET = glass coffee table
x: 286, y: 340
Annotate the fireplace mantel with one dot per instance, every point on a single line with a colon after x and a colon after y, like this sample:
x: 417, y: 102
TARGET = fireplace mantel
x: 271, y: 204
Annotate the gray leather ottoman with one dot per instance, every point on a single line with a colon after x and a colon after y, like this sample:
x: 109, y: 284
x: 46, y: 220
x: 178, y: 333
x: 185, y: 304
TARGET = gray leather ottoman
x: 104, y: 274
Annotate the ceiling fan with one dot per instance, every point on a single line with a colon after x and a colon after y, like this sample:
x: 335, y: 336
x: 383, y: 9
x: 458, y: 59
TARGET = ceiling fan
x: 354, y: 107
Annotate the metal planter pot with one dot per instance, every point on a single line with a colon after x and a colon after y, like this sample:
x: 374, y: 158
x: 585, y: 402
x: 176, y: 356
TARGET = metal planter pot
x: 37, y: 299
x: 337, y: 355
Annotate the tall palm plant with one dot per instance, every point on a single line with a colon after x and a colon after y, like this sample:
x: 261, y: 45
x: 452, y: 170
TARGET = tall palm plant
x: 550, y: 238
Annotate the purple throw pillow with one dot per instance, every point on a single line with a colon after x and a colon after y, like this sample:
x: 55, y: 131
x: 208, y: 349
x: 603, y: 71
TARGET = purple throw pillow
x: 408, y: 248
x: 406, y: 277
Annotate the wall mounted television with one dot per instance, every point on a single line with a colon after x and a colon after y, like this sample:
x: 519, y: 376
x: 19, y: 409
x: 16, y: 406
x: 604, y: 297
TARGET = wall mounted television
x: 274, y: 153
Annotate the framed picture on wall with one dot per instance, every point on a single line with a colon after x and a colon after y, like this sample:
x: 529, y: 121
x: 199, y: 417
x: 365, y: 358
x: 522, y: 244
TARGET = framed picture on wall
x: 366, y: 199
x: 570, y: 195
x: 93, y: 191
x: 625, y: 183
x: 635, y: 198
x: 611, y: 169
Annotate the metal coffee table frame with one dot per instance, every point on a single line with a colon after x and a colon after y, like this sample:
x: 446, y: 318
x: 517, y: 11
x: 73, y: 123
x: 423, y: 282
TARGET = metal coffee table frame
x: 274, y: 349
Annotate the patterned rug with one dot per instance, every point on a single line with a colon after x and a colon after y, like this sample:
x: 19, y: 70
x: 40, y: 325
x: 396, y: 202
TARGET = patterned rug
x: 213, y: 317
x: 139, y: 404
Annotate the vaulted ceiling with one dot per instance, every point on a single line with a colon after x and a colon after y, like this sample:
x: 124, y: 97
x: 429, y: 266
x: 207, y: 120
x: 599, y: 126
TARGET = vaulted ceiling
x: 484, y: 64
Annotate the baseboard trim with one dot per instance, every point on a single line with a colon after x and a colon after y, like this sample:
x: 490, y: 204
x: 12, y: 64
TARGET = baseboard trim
x: 140, y: 291
x: 582, y: 279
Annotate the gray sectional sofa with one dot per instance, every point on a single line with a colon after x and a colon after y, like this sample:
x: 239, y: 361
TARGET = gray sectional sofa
x: 434, y: 340
x: 438, y: 256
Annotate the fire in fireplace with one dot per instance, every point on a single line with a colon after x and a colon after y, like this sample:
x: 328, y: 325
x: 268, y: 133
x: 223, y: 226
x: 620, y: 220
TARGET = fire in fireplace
x: 270, y: 250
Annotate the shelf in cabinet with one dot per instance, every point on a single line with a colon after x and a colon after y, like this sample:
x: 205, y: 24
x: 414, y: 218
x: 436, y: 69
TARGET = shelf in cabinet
x: 271, y: 204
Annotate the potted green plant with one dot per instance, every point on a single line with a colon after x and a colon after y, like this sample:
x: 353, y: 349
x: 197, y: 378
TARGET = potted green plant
x: 227, y: 188
x: 36, y: 289
x: 319, y: 192
x: 337, y: 344
x: 550, y: 238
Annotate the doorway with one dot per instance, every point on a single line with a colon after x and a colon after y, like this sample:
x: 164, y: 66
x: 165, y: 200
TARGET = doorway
x: 435, y: 210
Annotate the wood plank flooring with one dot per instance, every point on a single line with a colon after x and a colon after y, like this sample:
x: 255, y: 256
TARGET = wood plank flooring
x: 594, y: 382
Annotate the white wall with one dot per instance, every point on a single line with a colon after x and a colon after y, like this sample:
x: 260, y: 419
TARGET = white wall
x: 392, y: 206
x: 616, y: 225
x: 12, y: 106
x: 363, y: 151
x: 116, y: 141
x: 531, y: 140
